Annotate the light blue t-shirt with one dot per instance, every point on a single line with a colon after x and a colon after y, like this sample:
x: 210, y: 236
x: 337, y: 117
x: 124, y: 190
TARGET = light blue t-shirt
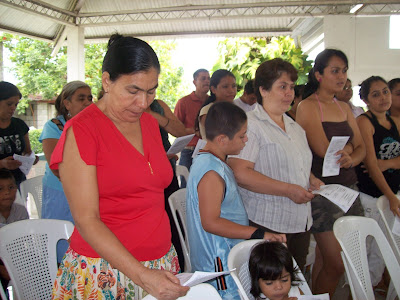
x: 51, y: 131
x: 205, y: 247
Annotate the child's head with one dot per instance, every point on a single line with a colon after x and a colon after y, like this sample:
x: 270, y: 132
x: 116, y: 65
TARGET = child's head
x: 8, y: 189
x: 227, y: 121
x: 271, y: 270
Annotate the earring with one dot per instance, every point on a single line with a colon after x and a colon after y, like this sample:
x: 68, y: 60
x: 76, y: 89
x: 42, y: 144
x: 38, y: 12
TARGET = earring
x: 319, y: 80
x: 69, y: 114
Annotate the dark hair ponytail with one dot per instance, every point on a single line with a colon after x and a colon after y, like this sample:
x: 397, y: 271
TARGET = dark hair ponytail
x: 321, y: 62
x: 128, y: 55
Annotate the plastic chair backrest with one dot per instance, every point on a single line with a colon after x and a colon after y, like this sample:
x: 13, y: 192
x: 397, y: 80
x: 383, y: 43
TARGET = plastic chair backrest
x: 28, y: 250
x: 238, y: 259
x: 182, y: 171
x: 177, y: 203
x: 198, y: 292
x: 351, y: 232
x: 388, y: 219
x: 33, y: 186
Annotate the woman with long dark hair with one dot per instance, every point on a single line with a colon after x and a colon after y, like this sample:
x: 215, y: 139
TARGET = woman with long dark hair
x: 323, y: 117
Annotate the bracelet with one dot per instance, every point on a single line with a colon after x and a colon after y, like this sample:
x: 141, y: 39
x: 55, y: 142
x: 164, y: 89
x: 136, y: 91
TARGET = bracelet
x: 166, y: 124
x: 257, y: 234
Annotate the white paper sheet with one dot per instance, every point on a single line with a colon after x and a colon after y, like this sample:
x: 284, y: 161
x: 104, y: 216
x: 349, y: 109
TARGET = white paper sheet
x: 200, y: 145
x: 330, y: 166
x: 192, y: 279
x: 396, y: 226
x: 314, y: 297
x: 26, y: 160
x: 342, y: 196
x: 180, y: 143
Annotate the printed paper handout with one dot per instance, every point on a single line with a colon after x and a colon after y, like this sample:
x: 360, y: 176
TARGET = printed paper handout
x: 342, y: 196
x: 314, y: 297
x: 192, y: 279
x: 330, y: 166
x: 26, y: 160
x: 200, y: 145
x: 180, y: 143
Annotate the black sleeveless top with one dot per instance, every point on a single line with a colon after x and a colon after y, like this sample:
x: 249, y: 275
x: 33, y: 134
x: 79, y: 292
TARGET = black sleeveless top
x: 387, y: 146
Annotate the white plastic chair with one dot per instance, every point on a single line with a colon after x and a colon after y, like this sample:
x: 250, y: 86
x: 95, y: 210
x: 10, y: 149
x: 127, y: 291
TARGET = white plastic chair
x: 177, y: 203
x: 351, y: 232
x: 394, y: 240
x: 201, y: 291
x: 238, y: 259
x: 33, y: 186
x: 181, y: 171
x: 28, y: 250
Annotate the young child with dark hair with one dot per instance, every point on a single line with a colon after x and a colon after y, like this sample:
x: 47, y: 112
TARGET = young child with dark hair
x: 9, y: 211
x: 272, y: 273
x: 216, y: 217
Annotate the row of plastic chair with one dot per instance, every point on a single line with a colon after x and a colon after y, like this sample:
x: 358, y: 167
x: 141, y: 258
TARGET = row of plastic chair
x: 28, y: 251
x: 352, y: 232
x: 34, y: 187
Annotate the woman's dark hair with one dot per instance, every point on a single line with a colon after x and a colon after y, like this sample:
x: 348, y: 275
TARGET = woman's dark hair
x: 392, y: 83
x: 214, y: 81
x: 365, y: 86
x: 267, y: 261
x: 66, y: 94
x: 8, y: 90
x: 270, y: 71
x: 128, y: 55
x: 321, y: 62
x: 224, y: 118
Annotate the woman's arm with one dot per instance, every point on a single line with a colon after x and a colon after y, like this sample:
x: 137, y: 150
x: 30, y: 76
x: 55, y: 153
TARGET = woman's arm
x: 351, y: 159
x: 371, y: 163
x: 256, y: 182
x: 48, y: 148
x: 211, y: 191
x: 169, y: 121
x: 308, y: 117
x: 28, y: 149
x: 84, y: 205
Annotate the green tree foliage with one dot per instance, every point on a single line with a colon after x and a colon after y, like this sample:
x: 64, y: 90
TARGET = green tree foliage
x: 94, y: 55
x: 37, y: 72
x: 170, y: 89
x: 242, y: 56
x: 40, y: 74
x: 34, y: 135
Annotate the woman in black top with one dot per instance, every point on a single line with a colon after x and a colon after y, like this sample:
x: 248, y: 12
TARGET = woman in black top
x: 14, y: 138
x: 382, y: 142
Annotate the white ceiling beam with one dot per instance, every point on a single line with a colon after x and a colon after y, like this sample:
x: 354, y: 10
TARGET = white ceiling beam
x: 45, y: 10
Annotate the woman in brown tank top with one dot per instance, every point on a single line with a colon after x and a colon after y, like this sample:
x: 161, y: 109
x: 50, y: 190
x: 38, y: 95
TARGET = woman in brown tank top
x: 322, y: 117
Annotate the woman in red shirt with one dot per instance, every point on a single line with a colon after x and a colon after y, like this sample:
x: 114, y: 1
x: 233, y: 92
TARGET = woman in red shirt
x: 114, y: 170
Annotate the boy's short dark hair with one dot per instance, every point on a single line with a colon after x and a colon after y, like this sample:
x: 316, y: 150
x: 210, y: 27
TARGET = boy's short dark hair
x: 6, y: 174
x: 224, y: 118
x: 267, y: 261
x: 249, y: 87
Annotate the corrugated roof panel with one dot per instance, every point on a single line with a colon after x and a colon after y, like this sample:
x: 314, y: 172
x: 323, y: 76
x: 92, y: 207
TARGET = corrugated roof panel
x: 19, y: 21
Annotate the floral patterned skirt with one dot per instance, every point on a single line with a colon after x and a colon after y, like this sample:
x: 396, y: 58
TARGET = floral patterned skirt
x: 80, y: 277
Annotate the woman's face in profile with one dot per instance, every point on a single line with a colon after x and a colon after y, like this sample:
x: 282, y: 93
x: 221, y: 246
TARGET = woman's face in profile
x: 226, y: 89
x: 8, y: 107
x: 280, y: 96
x: 335, y: 75
x: 130, y: 95
x: 396, y: 96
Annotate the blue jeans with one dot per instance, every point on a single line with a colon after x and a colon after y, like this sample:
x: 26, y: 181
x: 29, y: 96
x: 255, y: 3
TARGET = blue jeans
x: 185, y: 160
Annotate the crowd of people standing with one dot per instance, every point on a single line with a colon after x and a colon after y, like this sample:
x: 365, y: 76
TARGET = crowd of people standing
x: 253, y: 179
